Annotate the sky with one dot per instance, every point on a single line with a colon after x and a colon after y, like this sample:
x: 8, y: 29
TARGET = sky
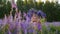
x: 43, y: 1
x: 59, y: 1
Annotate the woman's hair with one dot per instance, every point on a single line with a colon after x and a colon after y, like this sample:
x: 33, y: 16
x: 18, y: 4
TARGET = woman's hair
x: 39, y: 15
x: 31, y: 12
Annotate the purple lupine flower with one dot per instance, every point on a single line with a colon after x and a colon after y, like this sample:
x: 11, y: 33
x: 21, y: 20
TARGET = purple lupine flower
x: 18, y: 19
x: 42, y: 13
x: 1, y: 21
x: 27, y: 19
x: 11, y: 26
x: 10, y: 18
x: 30, y: 12
x: 39, y: 26
x: 18, y: 23
x: 13, y: 4
x: 9, y: 31
x: 25, y: 26
x: 4, y: 21
x: 10, y: 22
x: 30, y: 30
x: 24, y: 14
x: 25, y: 31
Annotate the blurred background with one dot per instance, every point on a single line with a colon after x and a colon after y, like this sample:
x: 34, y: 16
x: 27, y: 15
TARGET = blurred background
x: 50, y: 7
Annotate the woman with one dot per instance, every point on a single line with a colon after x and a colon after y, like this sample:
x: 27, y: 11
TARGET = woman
x: 35, y: 25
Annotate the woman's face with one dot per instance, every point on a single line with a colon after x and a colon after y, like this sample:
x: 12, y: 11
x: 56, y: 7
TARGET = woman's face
x: 38, y: 20
x: 34, y: 18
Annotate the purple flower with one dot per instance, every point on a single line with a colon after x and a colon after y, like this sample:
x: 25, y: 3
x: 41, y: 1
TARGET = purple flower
x: 27, y: 19
x: 9, y: 32
x: 11, y: 26
x: 39, y: 26
x: 41, y: 13
x: 24, y: 14
x: 30, y: 12
x: 24, y: 27
x: 30, y: 30
x: 1, y: 21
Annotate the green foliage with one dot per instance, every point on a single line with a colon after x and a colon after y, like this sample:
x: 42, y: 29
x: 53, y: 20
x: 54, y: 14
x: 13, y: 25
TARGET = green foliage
x: 5, y: 9
x: 52, y: 10
x: 8, y: 7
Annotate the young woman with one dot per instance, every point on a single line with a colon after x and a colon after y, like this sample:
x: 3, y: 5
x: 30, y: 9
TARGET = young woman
x: 35, y: 25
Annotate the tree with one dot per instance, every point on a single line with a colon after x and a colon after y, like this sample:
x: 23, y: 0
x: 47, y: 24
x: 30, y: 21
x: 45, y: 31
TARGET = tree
x: 8, y: 7
x: 5, y: 9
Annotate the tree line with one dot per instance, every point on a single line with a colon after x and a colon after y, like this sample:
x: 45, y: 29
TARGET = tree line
x: 52, y: 9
